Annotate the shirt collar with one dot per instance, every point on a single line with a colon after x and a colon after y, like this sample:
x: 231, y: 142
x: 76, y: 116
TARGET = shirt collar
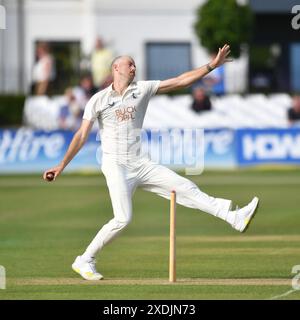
x: 132, y: 86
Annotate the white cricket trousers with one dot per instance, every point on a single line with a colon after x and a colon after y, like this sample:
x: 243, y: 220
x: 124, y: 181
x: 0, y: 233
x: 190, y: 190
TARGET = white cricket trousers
x: 122, y: 180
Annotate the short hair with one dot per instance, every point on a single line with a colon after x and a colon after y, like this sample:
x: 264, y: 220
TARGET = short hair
x: 118, y: 58
x: 43, y: 45
x: 114, y: 61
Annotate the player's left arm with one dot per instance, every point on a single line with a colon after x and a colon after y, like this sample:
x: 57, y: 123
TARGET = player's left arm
x: 188, y: 78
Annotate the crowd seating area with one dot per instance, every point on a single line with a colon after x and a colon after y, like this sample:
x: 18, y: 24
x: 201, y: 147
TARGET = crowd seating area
x: 230, y: 111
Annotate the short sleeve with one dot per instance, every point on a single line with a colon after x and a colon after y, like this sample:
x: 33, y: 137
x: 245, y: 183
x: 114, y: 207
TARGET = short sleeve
x: 90, y: 112
x: 151, y: 87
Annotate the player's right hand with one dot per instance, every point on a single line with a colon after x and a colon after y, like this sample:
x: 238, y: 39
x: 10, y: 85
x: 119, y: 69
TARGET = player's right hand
x: 55, y: 172
x: 222, y: 56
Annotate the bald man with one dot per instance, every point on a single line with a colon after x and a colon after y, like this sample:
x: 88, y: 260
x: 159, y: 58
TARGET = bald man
x: 120, y: 110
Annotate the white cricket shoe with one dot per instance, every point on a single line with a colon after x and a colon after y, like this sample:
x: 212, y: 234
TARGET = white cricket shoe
x: 86, y: 269
x: 245, y: 215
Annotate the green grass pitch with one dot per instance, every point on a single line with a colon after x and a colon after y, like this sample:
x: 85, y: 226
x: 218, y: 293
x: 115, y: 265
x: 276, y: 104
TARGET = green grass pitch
x: 44, y: 226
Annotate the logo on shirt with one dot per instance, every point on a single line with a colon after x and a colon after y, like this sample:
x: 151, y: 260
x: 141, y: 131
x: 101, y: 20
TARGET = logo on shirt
x: 125, y: 114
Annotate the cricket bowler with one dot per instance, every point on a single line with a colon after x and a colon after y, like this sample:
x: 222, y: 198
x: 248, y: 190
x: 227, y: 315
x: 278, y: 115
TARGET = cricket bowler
x: 120, y: 110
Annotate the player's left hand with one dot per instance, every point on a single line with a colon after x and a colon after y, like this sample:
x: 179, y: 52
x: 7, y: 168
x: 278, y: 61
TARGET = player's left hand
x: 222, y: 56
x: 56, y: 171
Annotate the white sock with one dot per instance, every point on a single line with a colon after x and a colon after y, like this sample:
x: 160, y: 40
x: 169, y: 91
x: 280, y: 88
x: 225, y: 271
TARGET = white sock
x: 228, y: 216
x: 86, y: 257
x: 231, y: 215
x: 224, y: 214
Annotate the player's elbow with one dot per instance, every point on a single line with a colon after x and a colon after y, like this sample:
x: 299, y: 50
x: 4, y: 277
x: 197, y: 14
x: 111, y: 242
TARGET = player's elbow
x: 81, y: 137
x: 84, y: 131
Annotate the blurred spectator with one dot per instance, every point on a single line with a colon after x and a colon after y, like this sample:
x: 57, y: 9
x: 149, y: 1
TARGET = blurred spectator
x: 43, y: 71
x: 201, y: 101
x: 294, y: 111
x: 100, y: 63
x: 70, y: 113
x: 84, y: 91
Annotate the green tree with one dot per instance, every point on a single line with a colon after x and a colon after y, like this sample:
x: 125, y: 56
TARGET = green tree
x: 219, y: 22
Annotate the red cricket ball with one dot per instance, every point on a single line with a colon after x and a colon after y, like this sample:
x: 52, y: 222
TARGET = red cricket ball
x: 50, y: 176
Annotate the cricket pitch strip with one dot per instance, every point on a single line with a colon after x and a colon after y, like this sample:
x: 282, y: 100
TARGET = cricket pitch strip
x: 183, y: 281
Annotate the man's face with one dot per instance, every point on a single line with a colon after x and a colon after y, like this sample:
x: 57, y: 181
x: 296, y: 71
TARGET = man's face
x: 199, y: 94
x: 296, y: 103
x: 86, y: 83
x: 126, y: 68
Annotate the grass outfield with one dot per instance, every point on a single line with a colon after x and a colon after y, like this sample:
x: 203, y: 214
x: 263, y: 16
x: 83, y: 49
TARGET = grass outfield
x: 44, y: 226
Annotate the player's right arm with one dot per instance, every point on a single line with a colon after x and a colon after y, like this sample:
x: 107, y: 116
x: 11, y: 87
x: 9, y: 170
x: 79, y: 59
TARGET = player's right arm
x: 76, y: 144
x: 186, y: 79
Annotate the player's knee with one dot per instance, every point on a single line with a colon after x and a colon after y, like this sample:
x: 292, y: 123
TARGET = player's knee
x: 186, y: 187
x: 123, y: 223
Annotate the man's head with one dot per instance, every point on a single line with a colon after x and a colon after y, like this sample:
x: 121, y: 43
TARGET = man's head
x: 199, y: 94
x: 123, y: 68
x: 99, y: 44
x: 42, y: 49
x: 296, y: 103
x: 86, y: 82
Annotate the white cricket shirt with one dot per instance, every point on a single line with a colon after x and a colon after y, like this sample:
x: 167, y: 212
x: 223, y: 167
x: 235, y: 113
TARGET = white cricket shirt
x: 121, y: 118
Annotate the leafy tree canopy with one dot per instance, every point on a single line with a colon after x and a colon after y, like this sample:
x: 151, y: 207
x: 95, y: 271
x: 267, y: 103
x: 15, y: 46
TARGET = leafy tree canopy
x: 219, y: 22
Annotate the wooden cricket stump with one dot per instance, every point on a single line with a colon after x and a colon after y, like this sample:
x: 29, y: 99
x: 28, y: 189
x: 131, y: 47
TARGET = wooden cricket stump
x: 172, y: 253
